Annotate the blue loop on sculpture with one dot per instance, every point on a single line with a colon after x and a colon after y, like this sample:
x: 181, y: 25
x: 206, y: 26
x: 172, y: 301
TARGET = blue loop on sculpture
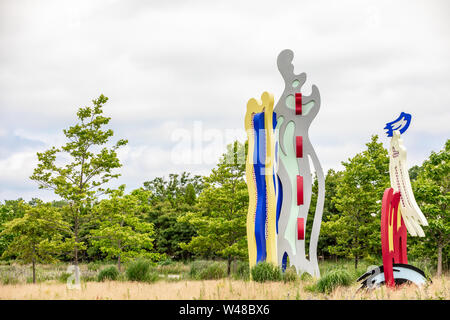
x: 401, y: 124
x: 261, y: 204
x: 279, y: 200
x: 284, y: 262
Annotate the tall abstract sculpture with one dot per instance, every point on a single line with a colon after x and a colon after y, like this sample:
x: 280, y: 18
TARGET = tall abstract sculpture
x: 279, y: 202
x: 261, y: 229
x: 399, y: 214
x: 294, y: 113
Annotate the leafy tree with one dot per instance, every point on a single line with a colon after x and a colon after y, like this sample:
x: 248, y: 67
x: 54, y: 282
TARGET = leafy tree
x: 169, y: 200
x: 332, y: 179
x: 87, y: 169
x: 414, y: 172
x: 122, y: 233
x: 431, y: 190
x: 175, y: 188
x: 220, y: 220
x: 10, y: 210
x: 37, y: 236
x: 356, y: 228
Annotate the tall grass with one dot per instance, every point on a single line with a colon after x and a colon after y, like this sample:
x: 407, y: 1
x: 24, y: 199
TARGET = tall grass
x: 141, y: 270
x: 331, y: 280
x: 265, y: 271
x: 207, y: 270
x: 109, y: 273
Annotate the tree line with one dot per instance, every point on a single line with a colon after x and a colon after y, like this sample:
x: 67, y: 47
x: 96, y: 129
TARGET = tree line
x: 185, y: 216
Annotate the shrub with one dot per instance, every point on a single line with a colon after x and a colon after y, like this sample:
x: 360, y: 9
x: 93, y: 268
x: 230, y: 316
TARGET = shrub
x: 109, y: 273
x: 197, y: 267
x: 9, y: 280
x: 265, y: 271
x: 206, y: 270
x: 173, y: 268
x: 165, y: 262
x: 215, y: 270
x: 64, y: 276
x: 333, y: 279
x: 290, y: 275
x: 93, y: 266
x: 305, y: 276
x: 141, y: 270
x: 242, y: 270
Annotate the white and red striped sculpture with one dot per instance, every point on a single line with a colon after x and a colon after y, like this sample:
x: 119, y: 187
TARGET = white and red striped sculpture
x: 399, y: 214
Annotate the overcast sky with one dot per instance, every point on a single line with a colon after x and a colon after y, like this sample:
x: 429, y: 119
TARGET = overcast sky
x: 177, y: 69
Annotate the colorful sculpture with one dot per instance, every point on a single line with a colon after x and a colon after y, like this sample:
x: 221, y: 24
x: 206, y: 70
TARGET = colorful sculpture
x: 294, y: 113
x: 399, y: 214
x: 261, y: 229
x: 279, y: 202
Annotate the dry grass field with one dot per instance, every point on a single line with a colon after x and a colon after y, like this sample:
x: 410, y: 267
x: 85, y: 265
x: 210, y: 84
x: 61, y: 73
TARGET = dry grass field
x: 216, y: 289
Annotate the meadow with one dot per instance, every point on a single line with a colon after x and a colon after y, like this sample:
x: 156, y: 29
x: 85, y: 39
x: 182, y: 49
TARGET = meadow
x: 179, y: 280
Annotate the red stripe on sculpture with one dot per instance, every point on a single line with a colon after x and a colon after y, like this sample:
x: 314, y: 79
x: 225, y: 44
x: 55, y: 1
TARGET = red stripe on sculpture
x: 298, y: 103
x: 300, y: 229
x: 299, y: 190
x: 389, y: 217
x: 299, y: 146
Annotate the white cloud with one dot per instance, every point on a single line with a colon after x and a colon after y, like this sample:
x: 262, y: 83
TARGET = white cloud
x: 166, y: 65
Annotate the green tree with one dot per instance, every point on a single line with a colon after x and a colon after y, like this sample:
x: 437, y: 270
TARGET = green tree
x: 171, y: 198
x: 332, y: 179
x: 414, y: 172
x: 356, y: 228
x: 220, y: 220
x: 88, y: 168
x: 37, y: 236
x: 175, y: 188
x: 122, y: 233
x: 10, y: 210
x: 431, y: 190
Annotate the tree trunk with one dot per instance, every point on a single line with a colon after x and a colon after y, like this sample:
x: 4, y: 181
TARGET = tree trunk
x: 75, y: 260
x: 439, y: 260
x: 76, y: 242
x: 34, y: 264
x: 356, y: 262
x: 229, y: 266
x: 120, y: 249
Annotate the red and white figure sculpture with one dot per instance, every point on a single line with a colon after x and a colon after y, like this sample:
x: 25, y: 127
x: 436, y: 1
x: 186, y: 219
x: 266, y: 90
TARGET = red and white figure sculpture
x: 400, y: 215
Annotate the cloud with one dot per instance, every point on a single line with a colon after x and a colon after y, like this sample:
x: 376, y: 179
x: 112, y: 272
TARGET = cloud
x: 171, y: 64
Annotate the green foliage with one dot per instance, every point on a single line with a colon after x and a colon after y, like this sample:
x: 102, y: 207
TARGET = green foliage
x: 122, y: 234
x: 326, y: 240
x: 242, y: 270
x: 431, y: 190
x: 290, y: 275
x: 265, y: 271
x: 37, y: 236
x: 169, y: 200
x: 220, y: 220
x: 178, y: 268
x: 333, y: 279
x: 80, y: 179
x: 165, y: 262
x: 356, y: 227
x: 10, y: 210
x: 305, y: 276
x: 109, y: 273
x: 141, y: 270
x: 64, y: 276
x: 207, y: 270
x: 5, y: 280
